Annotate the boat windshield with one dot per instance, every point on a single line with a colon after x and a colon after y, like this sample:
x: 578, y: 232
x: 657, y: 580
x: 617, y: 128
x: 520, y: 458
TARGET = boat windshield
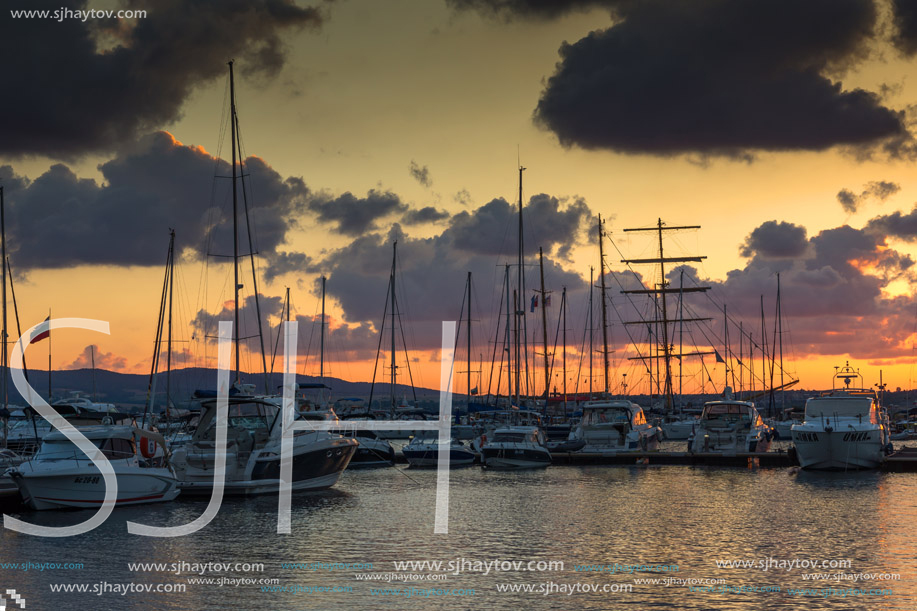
x: 615, y: 415
x: 64, y: 449
x: 837, y: 407
x: 249, y: 416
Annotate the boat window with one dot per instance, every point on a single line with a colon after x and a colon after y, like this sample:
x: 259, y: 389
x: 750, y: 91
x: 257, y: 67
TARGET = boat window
x: 116, y: 448
x: 62, y: 449
x: 833, y: 407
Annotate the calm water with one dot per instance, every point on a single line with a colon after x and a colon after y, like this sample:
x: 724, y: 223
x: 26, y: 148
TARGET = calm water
x: 684, y: 516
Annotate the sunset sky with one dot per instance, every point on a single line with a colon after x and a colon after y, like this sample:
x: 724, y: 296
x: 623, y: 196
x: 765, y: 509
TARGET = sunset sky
x: 784, y: 129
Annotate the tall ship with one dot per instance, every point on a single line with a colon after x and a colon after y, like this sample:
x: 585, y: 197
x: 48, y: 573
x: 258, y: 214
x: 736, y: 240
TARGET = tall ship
x: 843, y: 429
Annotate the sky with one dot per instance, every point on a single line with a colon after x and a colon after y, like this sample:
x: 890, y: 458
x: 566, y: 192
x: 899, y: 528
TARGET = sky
x: 783, y: 129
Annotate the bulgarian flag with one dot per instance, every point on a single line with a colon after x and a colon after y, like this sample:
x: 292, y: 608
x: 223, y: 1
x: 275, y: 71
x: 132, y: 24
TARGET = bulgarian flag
x: 43, y: 335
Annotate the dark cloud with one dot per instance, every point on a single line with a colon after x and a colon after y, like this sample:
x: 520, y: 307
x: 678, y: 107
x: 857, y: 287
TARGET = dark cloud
x: 773, y: 240
x: 463, y: 197
x: 877, y: 189
x: 715, y: 77
x: 280, y: 263
x: 427, y: 214
x: 905, y: 17
x: 353, y: 215
x: 420, y: 174
x: 61, y: 220
x: 896, y: 225
x: 91, y: 356
x: 76, y: 98
x: 548, y: 222
x: 531, y: 9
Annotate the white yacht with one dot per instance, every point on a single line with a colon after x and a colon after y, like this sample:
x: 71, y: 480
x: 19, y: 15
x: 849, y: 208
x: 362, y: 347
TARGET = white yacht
x: 61, y: 476
x: 423, y: 451
x: 843, y: 429
x: 516, y: 447
x: 253, y: 451
x: 730, y: 426
x: 615, y: 425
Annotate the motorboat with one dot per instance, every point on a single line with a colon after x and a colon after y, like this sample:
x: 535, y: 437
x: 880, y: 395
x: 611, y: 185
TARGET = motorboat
x: 516, y: 447
x: 486, y: 423
x: 730, y: 426
x: 843, y: 429
x: 253, y: 450
x: 372, y: 450
x: 615, y: 425
x: 61, y: 476
x: 423, y: 451
x: 27, y: 428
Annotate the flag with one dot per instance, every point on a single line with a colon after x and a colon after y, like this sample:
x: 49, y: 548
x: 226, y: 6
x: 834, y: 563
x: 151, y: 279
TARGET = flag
x: 534, y: 303
x: 43, y: 335
x: 474, y: 391
x: 547, y: 301
x: 719, y: 359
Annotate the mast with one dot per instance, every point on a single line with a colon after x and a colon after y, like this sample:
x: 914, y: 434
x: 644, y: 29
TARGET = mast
x: 235, y: 219
x: 544, y: 329
x: 780, y: 334
x: 4, y: 361
x: 394, y: 374
x: 321, y: 358
x: 563, y: 308
x: 604, y: 311
x: 169, y: 342
x: 591, y: 329
x: 519, y: 294
x: 468, y: 331
x: 508, y: 340
x: 659, y: 291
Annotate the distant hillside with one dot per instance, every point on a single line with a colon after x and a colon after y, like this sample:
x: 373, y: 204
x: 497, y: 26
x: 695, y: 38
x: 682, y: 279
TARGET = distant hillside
x: 130, y: 390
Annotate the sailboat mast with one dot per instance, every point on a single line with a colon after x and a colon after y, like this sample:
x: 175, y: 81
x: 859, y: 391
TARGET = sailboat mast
x: 544, y: 329
x: 508, y: 340
x: 171, y: 273
x: 468, y: 330
x: 780, y: 334
x: 591, y: 328
x: 519, y: 293
x: 667, y: 355
x: 235, y: 219
x: 563, y: 307
x: 4, y: 364
x: 394, y: 375
x: 321, y: 358
x: 604, y: 310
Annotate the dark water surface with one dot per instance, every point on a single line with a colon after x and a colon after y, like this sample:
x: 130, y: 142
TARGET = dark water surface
x: 653, y: 515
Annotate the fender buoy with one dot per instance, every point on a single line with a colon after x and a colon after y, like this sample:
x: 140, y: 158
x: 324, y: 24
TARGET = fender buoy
x: 147, y: 447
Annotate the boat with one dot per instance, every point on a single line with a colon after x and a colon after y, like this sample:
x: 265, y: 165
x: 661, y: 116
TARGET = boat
x: 253, y: 451
x: 678, y: 429
x: 615, y: 425
x: 27, y: 428
x: 8, y: 488
x: 843, y: 429
x: 372, y: 451
x: 730, y: 426
x: 423, y: 451
x: 516, y: 447
x: 60, y: 476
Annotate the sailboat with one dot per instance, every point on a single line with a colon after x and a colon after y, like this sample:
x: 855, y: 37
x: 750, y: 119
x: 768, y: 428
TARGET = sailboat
x: 255, y: 424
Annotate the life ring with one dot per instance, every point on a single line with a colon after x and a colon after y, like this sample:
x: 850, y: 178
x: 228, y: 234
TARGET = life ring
x: 147, y: 447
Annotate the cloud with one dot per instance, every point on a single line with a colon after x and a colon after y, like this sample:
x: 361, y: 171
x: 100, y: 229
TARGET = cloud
x: 905, y: 17
x: 353, y: 215
x: 280, y: 263
x: 463, y: 197
x: 715, y: 77
x: 530, y: 9
x: 549, y: 222
x: 420, y: 174
x: 775, y: 240
x: 91, y: 355
x: 131, y: 77
x: 61, y: 220
x: 427, y: 214
x: 896, y: 225
x: 877, y: 189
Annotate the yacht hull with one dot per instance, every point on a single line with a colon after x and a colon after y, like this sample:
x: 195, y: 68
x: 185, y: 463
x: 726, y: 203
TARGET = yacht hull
x: 428, y: 456
x: 313, y: 469
x: 839, y: 450
x: 515, y: 458
x: 79, y: 488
